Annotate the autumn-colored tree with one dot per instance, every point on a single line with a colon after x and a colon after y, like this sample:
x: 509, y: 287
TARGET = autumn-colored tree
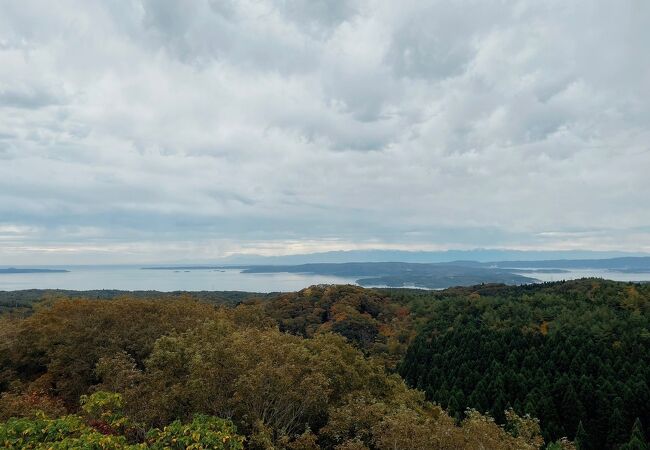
x: 56, y: 349
x: 103, y: 426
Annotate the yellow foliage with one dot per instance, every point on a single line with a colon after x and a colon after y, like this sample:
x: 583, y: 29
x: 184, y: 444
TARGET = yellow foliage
x: 543, y: 328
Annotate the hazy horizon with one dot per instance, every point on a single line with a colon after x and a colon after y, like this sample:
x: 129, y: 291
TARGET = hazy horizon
x: 373, y: 255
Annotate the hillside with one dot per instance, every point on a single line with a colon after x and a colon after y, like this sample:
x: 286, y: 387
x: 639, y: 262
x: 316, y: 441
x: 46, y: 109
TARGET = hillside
x: 538, y: 365
x: 576, y: 355
x: 24, y: 300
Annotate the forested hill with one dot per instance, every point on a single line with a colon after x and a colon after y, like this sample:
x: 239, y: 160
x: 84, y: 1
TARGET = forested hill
x: 25, y: 300
x: 546, y: 366
x: 576, y: 355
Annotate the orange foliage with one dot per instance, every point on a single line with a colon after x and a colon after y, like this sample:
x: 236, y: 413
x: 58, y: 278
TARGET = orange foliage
x: 543, y: 328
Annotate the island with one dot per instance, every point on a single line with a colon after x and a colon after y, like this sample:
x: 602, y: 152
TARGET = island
x: 390, y: 274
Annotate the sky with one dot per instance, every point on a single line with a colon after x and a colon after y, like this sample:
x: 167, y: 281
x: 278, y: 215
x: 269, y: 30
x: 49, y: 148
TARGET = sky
x: 159, y: 130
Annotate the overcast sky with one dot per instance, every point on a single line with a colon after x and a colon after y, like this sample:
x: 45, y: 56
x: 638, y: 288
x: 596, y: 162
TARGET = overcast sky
x: 135, y: 131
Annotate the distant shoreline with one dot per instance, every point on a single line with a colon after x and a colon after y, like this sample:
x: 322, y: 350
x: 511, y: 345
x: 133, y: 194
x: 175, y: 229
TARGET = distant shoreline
x: 190, y: 268
x: 13, y: 270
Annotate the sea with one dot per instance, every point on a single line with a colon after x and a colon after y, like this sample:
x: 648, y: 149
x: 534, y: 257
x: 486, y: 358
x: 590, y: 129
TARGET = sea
x: 135, y: 278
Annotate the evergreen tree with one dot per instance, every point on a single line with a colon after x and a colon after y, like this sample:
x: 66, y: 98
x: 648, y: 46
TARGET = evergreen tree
x: 616, y: 426
x: 637, y: 439
x: 581, y: 439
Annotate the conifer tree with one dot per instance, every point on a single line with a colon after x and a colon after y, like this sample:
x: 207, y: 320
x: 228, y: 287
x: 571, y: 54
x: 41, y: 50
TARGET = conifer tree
x: 581, y: 439
x: 637, y: 439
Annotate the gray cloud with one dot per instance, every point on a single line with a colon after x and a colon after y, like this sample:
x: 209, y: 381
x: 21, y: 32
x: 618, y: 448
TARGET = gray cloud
x: 141, y: 130
x: 27, y: 97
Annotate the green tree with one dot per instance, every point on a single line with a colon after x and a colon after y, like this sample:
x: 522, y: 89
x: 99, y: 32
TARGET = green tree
x: 581, y: 440
x: 637, y: 439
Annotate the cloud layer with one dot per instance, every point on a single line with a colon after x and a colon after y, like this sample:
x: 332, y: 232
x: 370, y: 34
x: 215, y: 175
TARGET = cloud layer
x: 162, y: 130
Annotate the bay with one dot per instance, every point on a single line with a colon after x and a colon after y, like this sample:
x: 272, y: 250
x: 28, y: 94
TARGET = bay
x: 133, y: 278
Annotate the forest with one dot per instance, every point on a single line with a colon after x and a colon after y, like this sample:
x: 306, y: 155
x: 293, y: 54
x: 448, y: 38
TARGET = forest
x: 553, y: 366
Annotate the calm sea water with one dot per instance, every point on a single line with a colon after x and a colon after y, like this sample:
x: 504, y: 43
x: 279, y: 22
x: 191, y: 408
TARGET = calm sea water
x: 133, y: 278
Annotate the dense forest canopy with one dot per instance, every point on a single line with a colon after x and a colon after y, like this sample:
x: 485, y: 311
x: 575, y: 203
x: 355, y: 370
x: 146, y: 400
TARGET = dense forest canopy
x: 558, y: 365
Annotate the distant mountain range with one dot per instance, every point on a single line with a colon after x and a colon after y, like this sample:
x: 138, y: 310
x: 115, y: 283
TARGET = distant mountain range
x: 624, y: 264
x: 477, y: 255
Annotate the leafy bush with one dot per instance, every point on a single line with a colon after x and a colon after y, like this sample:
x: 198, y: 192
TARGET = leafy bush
x: 202, y: 432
